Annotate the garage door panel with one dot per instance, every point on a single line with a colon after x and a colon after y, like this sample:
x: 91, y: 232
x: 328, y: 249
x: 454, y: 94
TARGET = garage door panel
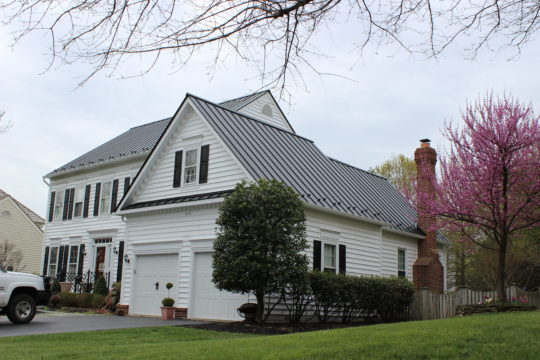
x: 152, y: 269
x: 208, y: 301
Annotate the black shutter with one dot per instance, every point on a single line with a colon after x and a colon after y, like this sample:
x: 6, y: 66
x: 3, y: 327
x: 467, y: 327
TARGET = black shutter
x: 51, y: 206
x: 120, y: 261
x: 96, y: 199
x: 60, y: 262
x: 70, y: 206
x: 316, y: 255
x: 65, y: 262
x: 126, y: 185
x: 86, y: 200
x: 46, y: 261
x: 66, y: 204
x: 342, y: 259
x: 81, y: 260
x: 114, y: 195
x: 177, y: 169
x: 203, y: 168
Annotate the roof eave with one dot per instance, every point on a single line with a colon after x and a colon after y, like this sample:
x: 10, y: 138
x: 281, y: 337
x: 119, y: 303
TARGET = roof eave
x: 168, y: 206
x: 349, y: 216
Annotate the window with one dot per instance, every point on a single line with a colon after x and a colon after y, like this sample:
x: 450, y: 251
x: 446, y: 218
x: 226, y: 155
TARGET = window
x: 329, y: 258
x: 105, y: 200
x: 73, y: 259
x: 53, y: 259
x: 401, y: 263
x: 190, y: 167
x: 79, y: 198
x: 267, y: 110
x: 58, y: 205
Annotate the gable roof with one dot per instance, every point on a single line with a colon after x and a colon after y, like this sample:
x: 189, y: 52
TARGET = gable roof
x: 134, y: 142
x: 238, y: 103
x: 270, y: 152
x: 36, y: 219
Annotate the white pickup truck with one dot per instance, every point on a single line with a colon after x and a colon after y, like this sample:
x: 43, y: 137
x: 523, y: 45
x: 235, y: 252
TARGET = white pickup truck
x: 20, y: 293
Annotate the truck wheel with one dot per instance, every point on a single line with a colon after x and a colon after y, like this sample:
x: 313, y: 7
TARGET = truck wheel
x: 21, y: 309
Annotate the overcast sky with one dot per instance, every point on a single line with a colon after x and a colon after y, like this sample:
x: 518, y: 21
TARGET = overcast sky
x: 391, y: 101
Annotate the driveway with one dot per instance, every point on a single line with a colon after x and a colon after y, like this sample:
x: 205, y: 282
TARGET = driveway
x: 52, y: 322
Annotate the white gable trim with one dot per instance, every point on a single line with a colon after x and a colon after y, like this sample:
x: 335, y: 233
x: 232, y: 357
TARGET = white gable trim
x: 166, y: 136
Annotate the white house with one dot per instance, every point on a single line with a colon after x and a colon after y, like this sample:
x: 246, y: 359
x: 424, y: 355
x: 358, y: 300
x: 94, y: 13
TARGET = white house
x: 171, y: 176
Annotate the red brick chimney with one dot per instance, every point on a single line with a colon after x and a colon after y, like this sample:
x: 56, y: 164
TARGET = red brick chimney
x: 427, y: 269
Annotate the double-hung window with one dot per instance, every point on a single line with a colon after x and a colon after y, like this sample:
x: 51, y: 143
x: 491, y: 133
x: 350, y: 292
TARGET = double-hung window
x: 402, y: 263
x: 329, y: 258
x: 79, y: 199
x: 190, y: 166
x: 73, y: 259
x: 58, y: 205
x: 105, y: 200
x: 53, y: 260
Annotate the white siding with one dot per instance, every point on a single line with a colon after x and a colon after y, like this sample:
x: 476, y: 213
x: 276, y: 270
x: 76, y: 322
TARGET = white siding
x: 189, y: 132
x: 163, y: 232
x: 17, y: 228
x: 83, y: 230
x: 391, y: 243
x: 254, y: 109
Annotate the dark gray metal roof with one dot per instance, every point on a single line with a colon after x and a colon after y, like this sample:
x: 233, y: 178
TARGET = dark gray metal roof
x: 178, y: 199
x: 273, y: 153
x: 238, y: 103
x: 135, y: 141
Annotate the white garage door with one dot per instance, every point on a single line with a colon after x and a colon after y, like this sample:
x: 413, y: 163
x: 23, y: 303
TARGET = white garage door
x: 152, y: 273
x: 208, y: 302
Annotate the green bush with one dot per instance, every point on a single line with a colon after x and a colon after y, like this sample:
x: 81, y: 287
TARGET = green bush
x: 68, y: 299
x: 352, y: 297
x: 167, y: 301
x: 85, y: 300
x: 82, y: 300
x: 55, y: 286
x: 98, y: 301
x: 54, y: 301
x: 100, y: 287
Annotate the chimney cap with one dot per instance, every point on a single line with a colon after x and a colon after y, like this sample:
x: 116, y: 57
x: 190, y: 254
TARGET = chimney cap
x: 424, y: 141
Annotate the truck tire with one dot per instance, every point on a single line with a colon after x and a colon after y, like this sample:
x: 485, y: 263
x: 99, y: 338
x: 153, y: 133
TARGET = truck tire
x: 21, y: 309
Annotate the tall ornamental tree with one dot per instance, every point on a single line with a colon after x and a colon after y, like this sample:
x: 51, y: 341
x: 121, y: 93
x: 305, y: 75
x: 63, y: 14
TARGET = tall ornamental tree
x: 261, y: 240
x: 490, y: 176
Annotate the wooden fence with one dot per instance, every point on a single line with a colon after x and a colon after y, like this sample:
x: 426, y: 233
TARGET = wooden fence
x: 428, y: 306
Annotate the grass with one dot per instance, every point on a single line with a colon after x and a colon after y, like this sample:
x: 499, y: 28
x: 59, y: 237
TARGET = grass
x: 489, y: 336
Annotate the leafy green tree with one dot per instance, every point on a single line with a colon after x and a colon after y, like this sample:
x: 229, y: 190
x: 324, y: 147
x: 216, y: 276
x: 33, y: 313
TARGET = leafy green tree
x: 261, y: 240
x: 400, y: 170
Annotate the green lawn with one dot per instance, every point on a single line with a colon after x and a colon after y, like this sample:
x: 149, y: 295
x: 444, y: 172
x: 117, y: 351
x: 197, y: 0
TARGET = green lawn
x: 500, y: 336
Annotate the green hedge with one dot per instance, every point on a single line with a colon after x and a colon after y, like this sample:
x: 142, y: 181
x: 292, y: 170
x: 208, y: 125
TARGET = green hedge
x: 82, y: 300
x: 369, y: 298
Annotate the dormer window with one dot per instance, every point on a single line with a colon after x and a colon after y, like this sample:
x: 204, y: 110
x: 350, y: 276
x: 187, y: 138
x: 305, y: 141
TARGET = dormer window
x: 190, y: 172
x: 267, y: 110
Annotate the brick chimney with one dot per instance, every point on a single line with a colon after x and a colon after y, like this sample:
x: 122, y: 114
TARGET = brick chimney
x: 427, y: 269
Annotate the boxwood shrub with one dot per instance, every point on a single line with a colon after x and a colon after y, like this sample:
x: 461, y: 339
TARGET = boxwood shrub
x: 350, y: 298
x: 81, y: 301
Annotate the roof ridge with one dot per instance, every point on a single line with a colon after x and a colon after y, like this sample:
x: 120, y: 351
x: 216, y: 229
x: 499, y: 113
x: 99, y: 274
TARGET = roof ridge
x: 25, y: 209
x: 356, y: 168
x: 250, y: 117
x: 259, y: 93
x: 152, y: 122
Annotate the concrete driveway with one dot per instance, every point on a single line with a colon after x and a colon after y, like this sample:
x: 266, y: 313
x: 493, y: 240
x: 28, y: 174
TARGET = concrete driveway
x: 53, y: 322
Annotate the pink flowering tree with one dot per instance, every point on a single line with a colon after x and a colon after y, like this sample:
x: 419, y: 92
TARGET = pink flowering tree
x: 490, y: 176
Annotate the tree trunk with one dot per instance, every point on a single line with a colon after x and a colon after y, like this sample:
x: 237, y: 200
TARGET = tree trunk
x: 501, y: 273
x: 260, y: 306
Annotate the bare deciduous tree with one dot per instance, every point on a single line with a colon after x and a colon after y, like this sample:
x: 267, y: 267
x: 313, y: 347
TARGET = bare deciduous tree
x: 273, y: 34
x: 10, y: 256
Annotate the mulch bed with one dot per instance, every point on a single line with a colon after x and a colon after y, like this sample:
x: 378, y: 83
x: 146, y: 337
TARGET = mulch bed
x: 270, y: 329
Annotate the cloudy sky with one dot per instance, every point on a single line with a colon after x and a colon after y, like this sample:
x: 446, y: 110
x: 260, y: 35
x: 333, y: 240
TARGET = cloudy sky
x: 389, y: 102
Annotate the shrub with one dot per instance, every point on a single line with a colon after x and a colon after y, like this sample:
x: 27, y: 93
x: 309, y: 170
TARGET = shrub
x: 68, y: 299
x: 55, y: 286
x: 98, y: 301
x: 324, y: 287
x: 100, y: 288
x: 167, y: 301
x: 54, y: 301
x: 85, y: 300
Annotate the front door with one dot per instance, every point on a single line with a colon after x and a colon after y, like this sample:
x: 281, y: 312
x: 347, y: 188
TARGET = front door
x: 100, y: 260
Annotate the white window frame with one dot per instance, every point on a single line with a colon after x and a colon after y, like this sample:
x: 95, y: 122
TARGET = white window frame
x: 404, y: 269
x: 105, y: 198
x: 196, y: 166
x: 79, y: 195
x: 70, y: 261
x: 329, y: 268
x: 59, y: 205
x: 50, y: 265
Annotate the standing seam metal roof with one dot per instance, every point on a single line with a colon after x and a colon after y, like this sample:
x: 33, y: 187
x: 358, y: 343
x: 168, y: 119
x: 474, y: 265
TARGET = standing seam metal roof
x: 273, y: 153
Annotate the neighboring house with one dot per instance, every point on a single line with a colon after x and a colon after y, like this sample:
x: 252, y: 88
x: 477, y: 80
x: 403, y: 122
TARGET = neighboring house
x: 21, y: 227
x: 171, y: 176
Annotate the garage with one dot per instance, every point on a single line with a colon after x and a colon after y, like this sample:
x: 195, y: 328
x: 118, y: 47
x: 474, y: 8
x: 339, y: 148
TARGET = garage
x: 207, y: 301
x: 152, y: 273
